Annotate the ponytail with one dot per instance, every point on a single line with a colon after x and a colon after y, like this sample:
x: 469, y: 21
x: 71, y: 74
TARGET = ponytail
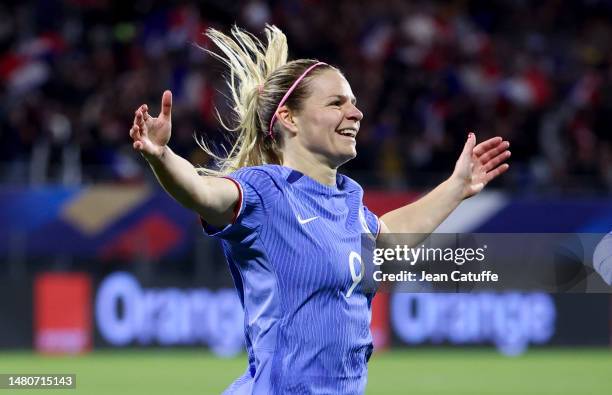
x: 259, y: 76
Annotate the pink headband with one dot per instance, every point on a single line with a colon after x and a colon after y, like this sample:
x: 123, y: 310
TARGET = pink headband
x: 291, y: 89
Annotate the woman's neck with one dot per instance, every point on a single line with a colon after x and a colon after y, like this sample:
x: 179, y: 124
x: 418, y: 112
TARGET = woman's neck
x: 309, y: 165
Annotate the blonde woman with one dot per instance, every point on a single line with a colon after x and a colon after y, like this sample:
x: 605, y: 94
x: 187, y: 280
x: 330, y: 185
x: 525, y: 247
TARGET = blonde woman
x: 289, y: 222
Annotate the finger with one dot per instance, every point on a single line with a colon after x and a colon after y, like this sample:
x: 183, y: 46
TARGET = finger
x: 166, y: 105
x: 137, y: 145
x: 469, y: 144
x: 135, y: 132
x: 144, y: 109
x: 140, y: 132
x: 141, y: 123
x: 493, y: 163
x: 487, y: 145
x: 132, y: 132
x: 493, y: 152
x: 139, y: 120
x: 496, y: 172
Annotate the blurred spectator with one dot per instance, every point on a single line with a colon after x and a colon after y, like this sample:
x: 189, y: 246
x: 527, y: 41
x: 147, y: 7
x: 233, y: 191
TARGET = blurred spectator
x: 538, y: 73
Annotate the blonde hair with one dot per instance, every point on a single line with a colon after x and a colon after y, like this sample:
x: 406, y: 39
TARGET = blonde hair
x: 259, y: 76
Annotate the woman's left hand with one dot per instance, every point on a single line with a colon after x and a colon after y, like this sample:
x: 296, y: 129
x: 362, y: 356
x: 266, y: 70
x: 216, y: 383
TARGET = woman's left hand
x: 479, y: 164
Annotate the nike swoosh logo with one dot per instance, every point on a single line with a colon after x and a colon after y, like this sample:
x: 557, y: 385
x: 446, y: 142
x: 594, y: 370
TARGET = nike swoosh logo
x: 305, y: 221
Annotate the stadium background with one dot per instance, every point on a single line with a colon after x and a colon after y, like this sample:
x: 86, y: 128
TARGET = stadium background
x: 105, y: 276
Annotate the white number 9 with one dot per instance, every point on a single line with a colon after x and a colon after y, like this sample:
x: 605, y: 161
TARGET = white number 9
x: 356, y: 277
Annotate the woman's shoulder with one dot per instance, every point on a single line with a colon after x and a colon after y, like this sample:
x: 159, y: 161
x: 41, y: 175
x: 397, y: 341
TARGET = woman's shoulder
x: 263, y: 175
x: 348, y: 185
x: 271, y: 170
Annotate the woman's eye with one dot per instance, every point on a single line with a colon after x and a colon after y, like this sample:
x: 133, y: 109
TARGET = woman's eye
x: 336, y: 103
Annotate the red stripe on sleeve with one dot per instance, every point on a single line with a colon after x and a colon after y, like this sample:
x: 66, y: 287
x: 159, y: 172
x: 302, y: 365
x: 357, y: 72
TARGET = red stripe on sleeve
x: 239, y: 202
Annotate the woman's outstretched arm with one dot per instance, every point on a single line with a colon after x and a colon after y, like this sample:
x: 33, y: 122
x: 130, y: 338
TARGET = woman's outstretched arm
x: 476, y: 167
x: 213, y: 198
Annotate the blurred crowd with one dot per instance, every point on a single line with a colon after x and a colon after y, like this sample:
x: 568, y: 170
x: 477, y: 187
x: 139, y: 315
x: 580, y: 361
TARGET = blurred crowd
x: 425, y: 73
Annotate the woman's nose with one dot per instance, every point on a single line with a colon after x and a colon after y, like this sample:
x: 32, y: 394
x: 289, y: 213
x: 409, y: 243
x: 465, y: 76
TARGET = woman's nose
x: 354, y: 113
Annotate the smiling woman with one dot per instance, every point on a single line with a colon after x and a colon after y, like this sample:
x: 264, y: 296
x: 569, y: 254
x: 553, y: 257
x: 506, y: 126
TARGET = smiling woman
x: 290, y: 224
x: 324, y: 129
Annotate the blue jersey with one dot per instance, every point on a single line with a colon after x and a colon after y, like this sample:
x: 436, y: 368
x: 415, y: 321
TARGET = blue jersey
x: 293, y: 252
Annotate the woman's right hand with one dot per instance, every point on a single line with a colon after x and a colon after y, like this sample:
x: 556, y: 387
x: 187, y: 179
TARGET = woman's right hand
x: 152, y: 134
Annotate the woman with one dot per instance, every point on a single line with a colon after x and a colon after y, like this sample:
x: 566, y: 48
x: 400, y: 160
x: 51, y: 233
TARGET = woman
x: 290, y: 224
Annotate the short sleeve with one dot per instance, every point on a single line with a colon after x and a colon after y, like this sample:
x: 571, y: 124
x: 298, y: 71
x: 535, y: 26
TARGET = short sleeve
x: 257, y: 191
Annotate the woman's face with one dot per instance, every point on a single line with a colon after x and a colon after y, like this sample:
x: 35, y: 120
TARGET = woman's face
x: 329, y: 121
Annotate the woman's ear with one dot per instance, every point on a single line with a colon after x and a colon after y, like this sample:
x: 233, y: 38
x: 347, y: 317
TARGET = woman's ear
x: 285, y: 117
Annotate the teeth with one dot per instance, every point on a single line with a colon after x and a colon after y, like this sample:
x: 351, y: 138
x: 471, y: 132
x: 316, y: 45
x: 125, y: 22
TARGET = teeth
x: 348, y: 132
